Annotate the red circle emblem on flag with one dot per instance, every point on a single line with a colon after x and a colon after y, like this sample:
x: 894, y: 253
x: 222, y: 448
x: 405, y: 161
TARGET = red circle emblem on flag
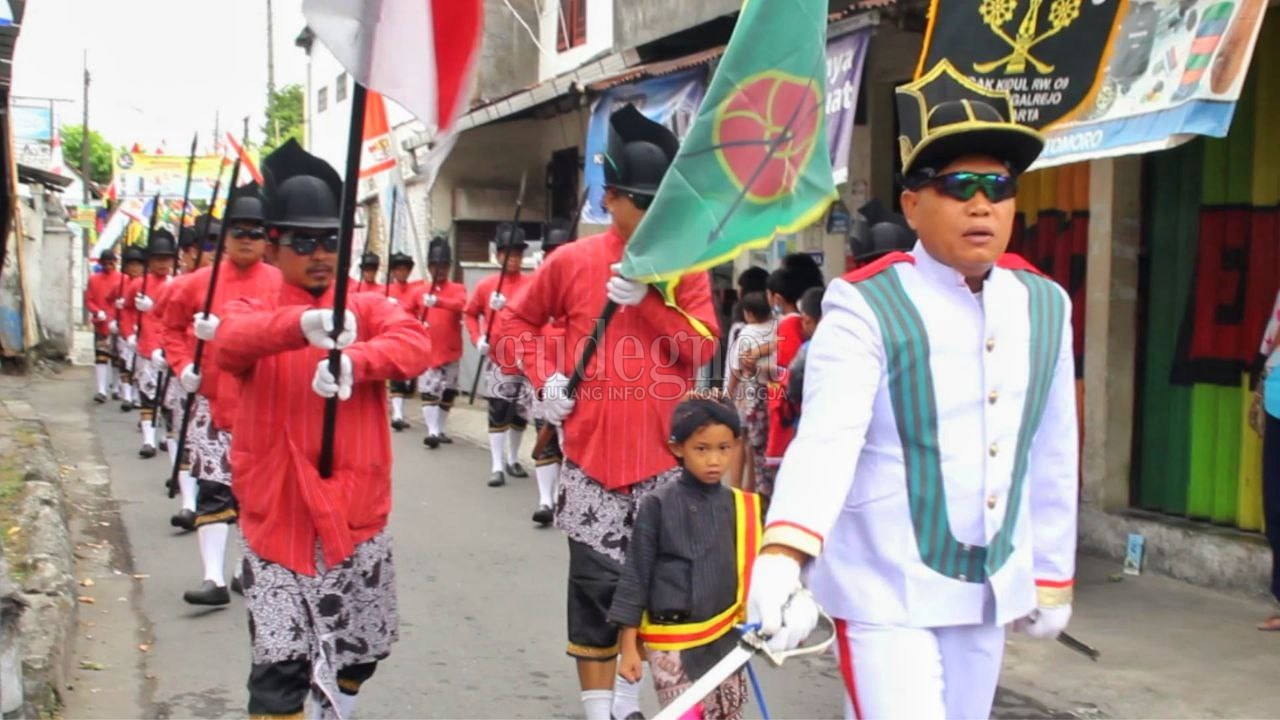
x: 766, y: 131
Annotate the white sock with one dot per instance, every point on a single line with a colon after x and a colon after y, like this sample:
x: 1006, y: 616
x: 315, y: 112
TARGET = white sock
x: 597, y: 704
x: 103, y: 374
x: 347, y: 705
x: 431, y: 418
x: 187, y: 489
x: 397, y: 408
x: 513, y: 445
x: 497, y: 443
x: 626, y: 694
x: 547, y: 476
x: 213, y: 551
x: 148, y: 433
x: 441, y: 415
x: 171, y: 444
x: 132, y: 392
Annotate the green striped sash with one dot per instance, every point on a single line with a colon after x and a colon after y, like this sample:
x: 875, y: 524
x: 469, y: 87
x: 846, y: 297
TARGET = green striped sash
x: 911, y: 391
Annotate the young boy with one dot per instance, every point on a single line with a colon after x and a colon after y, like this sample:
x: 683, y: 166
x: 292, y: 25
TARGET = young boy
x: 687, y: 571
x: 746, y: 388
x: 810, y: 315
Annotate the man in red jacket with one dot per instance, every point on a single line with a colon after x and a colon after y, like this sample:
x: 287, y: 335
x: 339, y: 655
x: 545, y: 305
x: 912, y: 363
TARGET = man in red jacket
x: 615, y: 434
x: 368, y: 282
x: 506, y: 389
x: 404, y: 292
x: 140, y: 296
x: 100, y: 302
x: 442, y: 305
x: 319, y: 581
x: 126, y: 327
x: 242, y: 274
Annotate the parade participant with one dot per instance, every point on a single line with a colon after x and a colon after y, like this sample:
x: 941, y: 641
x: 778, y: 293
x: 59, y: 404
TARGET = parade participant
x: 243, y: 275
x: 547, y: 459
x: 685, y: 584
x: 368, y: 283
x: 161, y: 256
x: 100, y: 295
x: 403, y: 292
x: 441, y: 305
x: 932, y: 488
x: 135, y: 264
x: 616, y: 428
x: 506, y: 389
x: 747, y: 388
x: 319, y: 581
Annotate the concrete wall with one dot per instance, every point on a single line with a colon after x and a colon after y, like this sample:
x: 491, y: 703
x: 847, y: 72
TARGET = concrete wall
x: 600, y: 18
x: 636, y: 22
x: 509, y: 60
x: 327, y: 129
x: 43, y: 282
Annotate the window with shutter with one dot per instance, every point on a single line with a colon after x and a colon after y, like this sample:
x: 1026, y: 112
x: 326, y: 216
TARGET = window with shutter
x: 571, y: 24
x: 322, y: 100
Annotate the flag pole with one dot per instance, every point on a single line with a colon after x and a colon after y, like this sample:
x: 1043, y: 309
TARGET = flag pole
x: 190, y: 402
x: 502, y: 276
x: 162, y: 380
x: 548, y: 430
x: 391, y: 240
x: 346, y: 229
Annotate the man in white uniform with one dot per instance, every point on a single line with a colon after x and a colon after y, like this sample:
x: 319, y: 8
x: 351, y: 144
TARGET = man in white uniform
x: 931, y: 489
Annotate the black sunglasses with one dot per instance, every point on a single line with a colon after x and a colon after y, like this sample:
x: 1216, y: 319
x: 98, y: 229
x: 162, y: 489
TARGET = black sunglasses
x: 642, y: 202
x: 241, y: 233
x: 964, y: 185
x: 307, y: 244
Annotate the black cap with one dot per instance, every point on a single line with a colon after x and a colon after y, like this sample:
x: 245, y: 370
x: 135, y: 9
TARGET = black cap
x: 555, y: 235
x: 107, y: 256
x: 134, y: 253
x: 186, y: 238
x: 300, y: 190
x: 639, y: 153
x: 370, y: 261
x: 399, y: 259
x: 881, y: 239
x: 207, y: 226
x: 162, y: 244
x: 245, y: 205
x: 944, y: 116
x: 439, y: 252
x: 509, y: 236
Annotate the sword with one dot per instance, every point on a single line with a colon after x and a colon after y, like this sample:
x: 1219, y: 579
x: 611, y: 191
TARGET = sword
x: 751, y: 643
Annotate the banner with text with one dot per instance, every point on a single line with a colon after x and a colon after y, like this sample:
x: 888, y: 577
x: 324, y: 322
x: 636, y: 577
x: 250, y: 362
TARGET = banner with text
x: 845, y: 57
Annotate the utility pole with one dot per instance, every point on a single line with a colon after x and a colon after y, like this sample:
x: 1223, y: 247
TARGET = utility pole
x: 271, y: 52
x: 84, y: 133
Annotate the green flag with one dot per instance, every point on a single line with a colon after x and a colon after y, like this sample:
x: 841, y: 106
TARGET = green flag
x: 755, y: 162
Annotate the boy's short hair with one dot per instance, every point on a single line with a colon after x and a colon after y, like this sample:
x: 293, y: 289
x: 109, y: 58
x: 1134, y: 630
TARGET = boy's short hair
x: 693, y: 414
x: 788, y: 283
x: 805, y: 269
x: 811, y: 303
x: 753, y: 279
x: 757, y: 304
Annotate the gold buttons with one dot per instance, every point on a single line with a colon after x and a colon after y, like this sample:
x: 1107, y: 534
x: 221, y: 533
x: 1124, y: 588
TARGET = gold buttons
x: 991, y: 502
x: 993, y: 397
x: 994, y: 450
x: 991, y: 344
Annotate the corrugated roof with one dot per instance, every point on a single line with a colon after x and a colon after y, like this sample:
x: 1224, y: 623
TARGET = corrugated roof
x: 658, y: 69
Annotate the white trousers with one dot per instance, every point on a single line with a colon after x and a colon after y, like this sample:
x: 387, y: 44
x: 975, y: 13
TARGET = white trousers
x: 946, y: 673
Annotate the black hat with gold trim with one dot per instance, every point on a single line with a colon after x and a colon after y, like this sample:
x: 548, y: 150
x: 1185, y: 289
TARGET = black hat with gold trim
x: 639, y: 153
x: 944, y: 116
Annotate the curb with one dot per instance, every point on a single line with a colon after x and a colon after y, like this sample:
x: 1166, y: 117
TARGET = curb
x: 43, y: 567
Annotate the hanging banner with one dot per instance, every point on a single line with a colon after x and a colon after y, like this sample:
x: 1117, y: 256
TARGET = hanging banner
x: 845, y: 56
x: 33, y: 135
x: 1176, y: 71
x: 672, y: 100
x: 140, y: 175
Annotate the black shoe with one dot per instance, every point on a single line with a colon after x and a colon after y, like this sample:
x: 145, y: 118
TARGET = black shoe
x: 185, y: 519
x: 497, y: 479
x: 543, y: 515
x: 163, y: 445
x: 236, y: 587
x: 633, y: 715
x: 431, y: 441
x: 99, y: 398
x: 399, y: 425
x: 147, y: 451
x: 126, y: 406
x: 208, y: 594
x: 517, y: 470
x: 444, y: 439
x: 115, y: 394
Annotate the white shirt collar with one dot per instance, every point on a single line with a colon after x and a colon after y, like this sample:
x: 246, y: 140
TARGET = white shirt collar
x: 936, y: 271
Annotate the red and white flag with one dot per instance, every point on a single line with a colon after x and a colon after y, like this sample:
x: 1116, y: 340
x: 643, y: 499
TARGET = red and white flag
x: 420, y: 53
x: 379, y: 155
x: 246, y: 160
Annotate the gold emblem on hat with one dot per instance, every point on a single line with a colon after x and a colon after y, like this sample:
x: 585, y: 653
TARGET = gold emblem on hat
x: 996, y: 13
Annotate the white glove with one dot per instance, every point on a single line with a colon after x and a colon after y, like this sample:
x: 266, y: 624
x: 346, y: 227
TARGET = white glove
x: 1045, y: 623
x: 206, y: 327
x: 623, y: 291
x: 190, y: 379
x: 482, y: 346
x: 430, y: 300
x: 554, y: 400
x: 157, y: 359
x: 497, y: 301
x: 132, y: 342
x: 786, y: 611
x: 119, y: 303
x: 114, y: 328
x: 326, y: 386
x: 143, y: 303
x: 100, y: 316
x: 317, y: 326
x: 392, y: 300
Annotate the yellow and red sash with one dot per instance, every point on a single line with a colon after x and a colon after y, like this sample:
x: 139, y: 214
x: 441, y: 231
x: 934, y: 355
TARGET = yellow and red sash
x: 694, y: 634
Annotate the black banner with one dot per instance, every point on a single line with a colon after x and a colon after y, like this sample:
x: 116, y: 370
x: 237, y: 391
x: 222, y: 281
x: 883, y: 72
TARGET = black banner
x: 1049, y: 54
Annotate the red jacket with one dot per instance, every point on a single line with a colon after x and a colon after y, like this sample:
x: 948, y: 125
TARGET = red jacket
x: 478, y: 308
x: 185, y: 300
x: 405, y: 293
x: 275, y: 450
x: 100, y: 296
x: 444, y: 321
x: 643, y: 368
x: 148, y: 324
x: 360, y: 286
